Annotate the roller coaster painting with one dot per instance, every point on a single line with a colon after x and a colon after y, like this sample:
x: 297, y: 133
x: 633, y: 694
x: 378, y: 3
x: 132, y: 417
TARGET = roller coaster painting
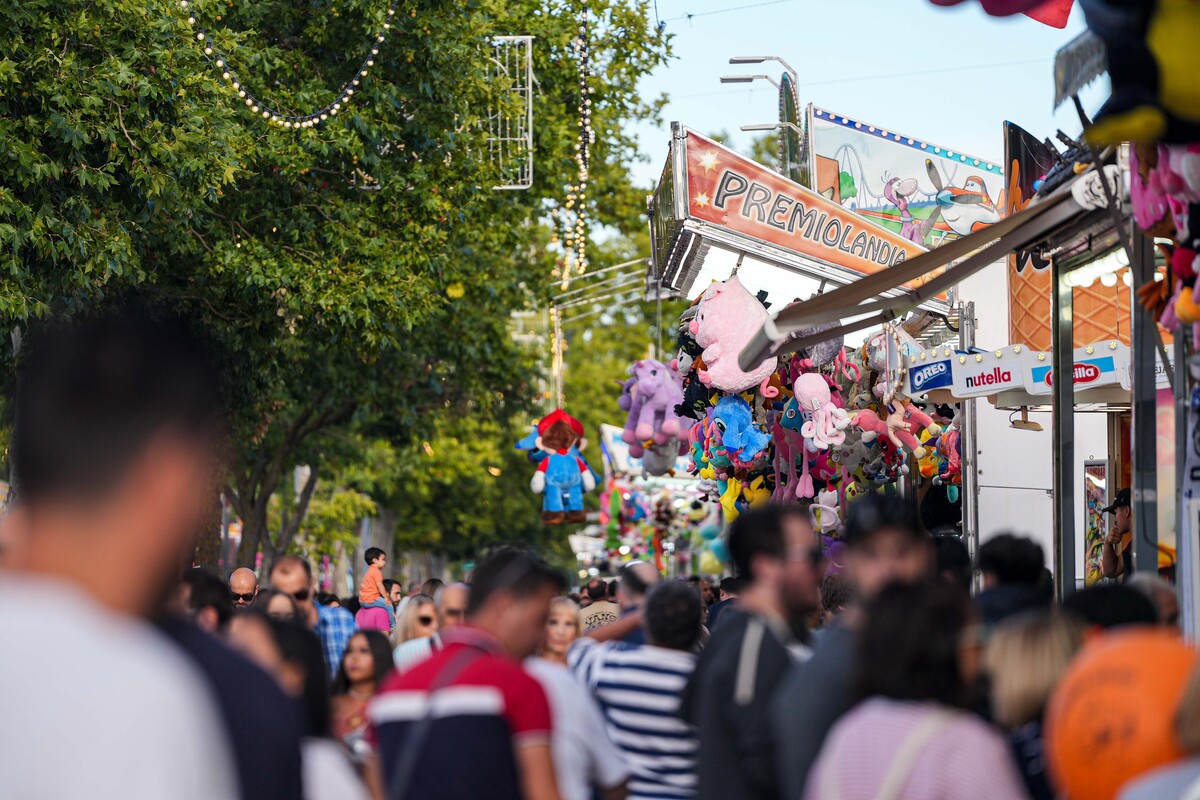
x: 928, y: 194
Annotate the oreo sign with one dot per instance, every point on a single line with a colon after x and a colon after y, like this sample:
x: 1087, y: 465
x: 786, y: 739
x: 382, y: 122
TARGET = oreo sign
x: 930, y: 376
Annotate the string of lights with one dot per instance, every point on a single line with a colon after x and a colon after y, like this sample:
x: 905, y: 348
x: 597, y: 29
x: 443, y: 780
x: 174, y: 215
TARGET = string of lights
x: 261, y: 109
x: 573, y: 218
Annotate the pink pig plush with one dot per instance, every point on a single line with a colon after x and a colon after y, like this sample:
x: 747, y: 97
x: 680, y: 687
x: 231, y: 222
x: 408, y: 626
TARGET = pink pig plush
x: 727, y: 317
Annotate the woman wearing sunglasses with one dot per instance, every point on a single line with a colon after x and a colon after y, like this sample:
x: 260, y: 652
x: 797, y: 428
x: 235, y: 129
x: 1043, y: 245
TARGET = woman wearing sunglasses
x: 365, y: 663
x: 418, y: 620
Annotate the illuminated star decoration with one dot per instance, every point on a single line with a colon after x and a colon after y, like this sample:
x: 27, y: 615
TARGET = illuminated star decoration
x: 702, y: 200
x: 709, y: 161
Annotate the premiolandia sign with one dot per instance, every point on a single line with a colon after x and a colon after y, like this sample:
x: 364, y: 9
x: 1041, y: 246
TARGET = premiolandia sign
x: 727, y: 189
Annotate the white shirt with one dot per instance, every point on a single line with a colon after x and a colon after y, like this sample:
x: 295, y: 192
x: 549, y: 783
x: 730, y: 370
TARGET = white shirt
x: 408, y: 654
x: 328, y: 774
x: 583, y: 754
x: 100, y: 705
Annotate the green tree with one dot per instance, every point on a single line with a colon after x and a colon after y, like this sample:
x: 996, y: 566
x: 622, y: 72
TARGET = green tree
x: 359, y: 275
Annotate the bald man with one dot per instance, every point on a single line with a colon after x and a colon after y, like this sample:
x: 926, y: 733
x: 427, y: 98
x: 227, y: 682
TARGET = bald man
x: 243, y: 585
x: 452, y: 605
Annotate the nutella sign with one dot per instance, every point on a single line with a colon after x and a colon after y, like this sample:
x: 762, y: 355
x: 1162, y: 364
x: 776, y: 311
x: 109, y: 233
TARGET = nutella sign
x: 989, y: 374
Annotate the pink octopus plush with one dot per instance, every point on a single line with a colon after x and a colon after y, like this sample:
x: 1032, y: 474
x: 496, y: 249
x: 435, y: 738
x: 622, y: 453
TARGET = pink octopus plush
x: 824, y: 423
x: 726, y: 319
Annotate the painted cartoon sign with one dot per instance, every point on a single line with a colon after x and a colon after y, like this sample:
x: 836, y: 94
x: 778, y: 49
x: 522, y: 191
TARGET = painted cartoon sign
x: 927, y: 193
x: 729, y: 190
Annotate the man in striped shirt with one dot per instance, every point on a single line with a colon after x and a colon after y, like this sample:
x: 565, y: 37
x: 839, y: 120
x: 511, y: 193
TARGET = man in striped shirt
x: 639, y: 688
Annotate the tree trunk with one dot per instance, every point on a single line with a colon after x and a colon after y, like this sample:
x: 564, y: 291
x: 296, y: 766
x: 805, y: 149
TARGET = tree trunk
x: 208, y: 546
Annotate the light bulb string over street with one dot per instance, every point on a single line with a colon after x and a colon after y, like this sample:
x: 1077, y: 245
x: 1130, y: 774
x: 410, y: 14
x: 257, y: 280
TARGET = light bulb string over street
x: 574, y: 216
x: 263, y: 110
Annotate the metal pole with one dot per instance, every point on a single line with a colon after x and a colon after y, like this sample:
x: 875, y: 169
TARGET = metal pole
x: 1145, y: 412
x: 968, y: 442
x: 1186, y: 561
x: 1063, y: 421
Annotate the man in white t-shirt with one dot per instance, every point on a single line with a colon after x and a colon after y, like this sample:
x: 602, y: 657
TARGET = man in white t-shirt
x: 112, y: 456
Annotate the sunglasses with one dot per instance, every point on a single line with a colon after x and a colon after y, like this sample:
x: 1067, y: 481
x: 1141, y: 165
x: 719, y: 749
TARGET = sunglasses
x: 425, y: 620
x: 301, y: 595
x: 245, y: 598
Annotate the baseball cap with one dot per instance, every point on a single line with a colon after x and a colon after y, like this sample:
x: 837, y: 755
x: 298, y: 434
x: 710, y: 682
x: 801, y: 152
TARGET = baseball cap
x: 1120, y: 501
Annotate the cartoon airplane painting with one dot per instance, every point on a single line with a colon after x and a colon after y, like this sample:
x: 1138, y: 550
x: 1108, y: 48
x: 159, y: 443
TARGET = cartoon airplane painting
x: 961, y: 210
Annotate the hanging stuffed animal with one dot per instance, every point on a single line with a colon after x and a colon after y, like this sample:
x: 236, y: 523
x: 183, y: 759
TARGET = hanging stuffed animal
x: 826, y: 513
x: 653, y: 395
x: 1152, y: 62
x: 561, y: 477
x: 727, y: 318
x: 740, y: 439
x: 824, y: 423
x: 529, y: 446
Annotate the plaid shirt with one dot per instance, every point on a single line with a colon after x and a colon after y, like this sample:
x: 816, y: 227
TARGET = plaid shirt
x: 335, y: 626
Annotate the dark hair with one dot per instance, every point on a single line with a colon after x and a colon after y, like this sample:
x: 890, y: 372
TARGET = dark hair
x: 953, y: 560
x: 328, y: 598
x: 513, y: 571
x: 596, y: 589
x: 672, y: 615
x: 286, y: 562
x: 908, y: 648
x: 381, y: 654
x: 431, y: 586
x: 731, y: 586
x: 835, y: 593
x: 299, y: 645
x: 372, y: 554
x: 612, y: 590
x: 263, y: 601
x: 351, y: 604
x: 389, y: 584
x: 1012, y: 559
x: 92, y: 394
x: 209, y: 591
x: 760, y: 531
x: 1111, y: 606
x: 874, y: 513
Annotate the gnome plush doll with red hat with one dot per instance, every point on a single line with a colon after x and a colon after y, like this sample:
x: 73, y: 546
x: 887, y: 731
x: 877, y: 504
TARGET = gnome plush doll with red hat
x: 561, y: 477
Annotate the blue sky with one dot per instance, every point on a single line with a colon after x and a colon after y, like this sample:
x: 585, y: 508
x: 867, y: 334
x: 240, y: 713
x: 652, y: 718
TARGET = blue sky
x: 925, y: 71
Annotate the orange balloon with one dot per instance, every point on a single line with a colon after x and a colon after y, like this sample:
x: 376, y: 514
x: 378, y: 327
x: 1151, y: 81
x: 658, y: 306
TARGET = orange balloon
x: 1111, y: 719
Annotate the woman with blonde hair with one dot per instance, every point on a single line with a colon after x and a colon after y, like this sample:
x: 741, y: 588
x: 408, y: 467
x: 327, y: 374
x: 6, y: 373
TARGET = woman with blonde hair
x: 584, y: 757
x: 418, y: 620
x: 562, y: 629
x: 1025, y: 659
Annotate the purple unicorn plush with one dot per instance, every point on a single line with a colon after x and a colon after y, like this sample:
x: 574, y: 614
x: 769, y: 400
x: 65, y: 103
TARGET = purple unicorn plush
x: 653, y: 392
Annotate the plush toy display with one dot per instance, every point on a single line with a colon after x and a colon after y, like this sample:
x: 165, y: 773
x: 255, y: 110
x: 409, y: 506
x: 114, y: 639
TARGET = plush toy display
x: 726, y: 319
x: 561, y: 477
x: 654, y: 392
x: 825, y: 512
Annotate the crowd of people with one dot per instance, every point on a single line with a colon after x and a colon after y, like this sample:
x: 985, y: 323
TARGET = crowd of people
x: 880, y: 678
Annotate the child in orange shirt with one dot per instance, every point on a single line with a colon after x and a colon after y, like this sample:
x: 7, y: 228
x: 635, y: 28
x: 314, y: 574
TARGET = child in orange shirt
x: 371, y: 593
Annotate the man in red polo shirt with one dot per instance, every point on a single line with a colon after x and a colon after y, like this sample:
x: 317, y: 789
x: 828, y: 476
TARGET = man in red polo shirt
x: 469, y: 722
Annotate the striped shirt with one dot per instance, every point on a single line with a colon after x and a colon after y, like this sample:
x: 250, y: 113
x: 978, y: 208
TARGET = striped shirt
x: 639, y: 688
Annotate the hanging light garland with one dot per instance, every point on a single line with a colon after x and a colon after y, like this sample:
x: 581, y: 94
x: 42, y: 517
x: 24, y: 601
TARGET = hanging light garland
x: 262, y: 109
x: 574, y: 220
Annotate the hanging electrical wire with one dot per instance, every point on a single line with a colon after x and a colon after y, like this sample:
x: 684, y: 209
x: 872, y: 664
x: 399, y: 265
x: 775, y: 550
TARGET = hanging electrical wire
x: 260, y: 108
